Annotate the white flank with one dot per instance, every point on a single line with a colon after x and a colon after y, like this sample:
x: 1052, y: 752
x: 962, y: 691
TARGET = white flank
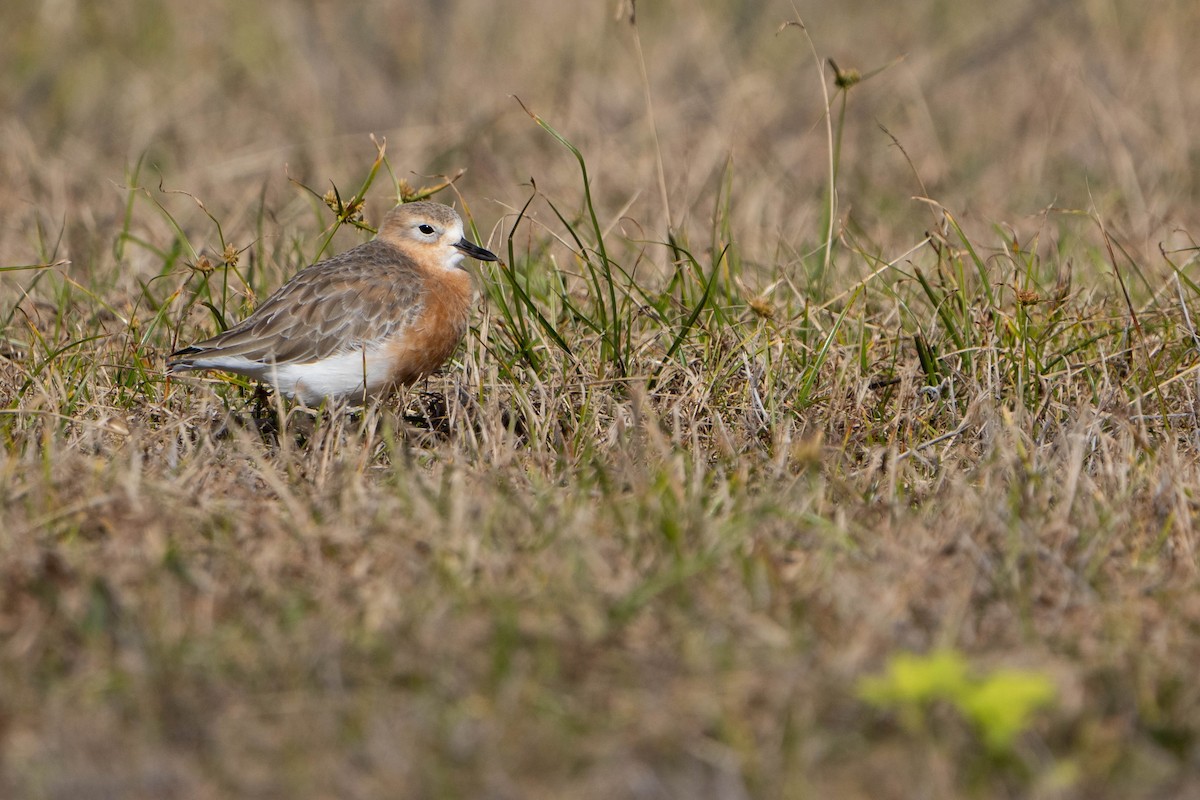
x: 337, y: 377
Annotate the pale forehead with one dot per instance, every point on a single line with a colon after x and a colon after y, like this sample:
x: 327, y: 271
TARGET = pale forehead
x: 425, y: 211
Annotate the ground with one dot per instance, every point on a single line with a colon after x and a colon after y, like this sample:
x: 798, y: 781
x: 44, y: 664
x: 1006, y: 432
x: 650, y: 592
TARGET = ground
x: 828, y: 430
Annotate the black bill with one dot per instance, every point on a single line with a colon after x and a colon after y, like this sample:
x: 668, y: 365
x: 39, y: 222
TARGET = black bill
x: 475, y: 251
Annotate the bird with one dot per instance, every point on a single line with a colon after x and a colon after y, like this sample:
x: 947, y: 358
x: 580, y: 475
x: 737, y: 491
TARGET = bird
x: 357, y: 325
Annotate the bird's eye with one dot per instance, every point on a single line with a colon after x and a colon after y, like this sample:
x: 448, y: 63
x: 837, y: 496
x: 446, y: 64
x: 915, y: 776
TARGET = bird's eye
x: 425, y: 229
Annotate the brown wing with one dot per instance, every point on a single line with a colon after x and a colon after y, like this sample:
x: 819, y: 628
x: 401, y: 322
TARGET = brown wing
x: 360, y: 296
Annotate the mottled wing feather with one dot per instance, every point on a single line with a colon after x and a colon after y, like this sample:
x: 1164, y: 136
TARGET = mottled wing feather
x: 358, y: 297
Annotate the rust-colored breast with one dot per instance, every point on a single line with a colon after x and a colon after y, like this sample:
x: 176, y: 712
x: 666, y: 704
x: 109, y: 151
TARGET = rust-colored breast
x: 425, y: 345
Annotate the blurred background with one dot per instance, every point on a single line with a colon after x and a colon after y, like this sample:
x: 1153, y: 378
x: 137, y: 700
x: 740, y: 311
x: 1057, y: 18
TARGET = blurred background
x: 1003, y: 109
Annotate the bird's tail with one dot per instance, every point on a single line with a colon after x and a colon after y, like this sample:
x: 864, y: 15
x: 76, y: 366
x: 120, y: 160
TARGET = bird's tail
x: 183, y: 360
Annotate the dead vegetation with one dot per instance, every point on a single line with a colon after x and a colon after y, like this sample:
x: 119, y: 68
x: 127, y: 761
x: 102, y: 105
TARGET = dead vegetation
x: 723, y: 441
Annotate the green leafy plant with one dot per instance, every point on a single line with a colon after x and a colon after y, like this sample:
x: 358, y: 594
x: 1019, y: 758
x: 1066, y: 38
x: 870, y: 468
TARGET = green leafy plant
x: 999, y: 705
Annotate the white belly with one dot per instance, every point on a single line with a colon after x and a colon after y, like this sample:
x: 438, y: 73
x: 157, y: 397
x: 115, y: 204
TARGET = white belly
x: 351, y: 376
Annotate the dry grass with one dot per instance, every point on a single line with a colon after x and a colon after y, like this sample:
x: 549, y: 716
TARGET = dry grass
x: 699, y: 469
